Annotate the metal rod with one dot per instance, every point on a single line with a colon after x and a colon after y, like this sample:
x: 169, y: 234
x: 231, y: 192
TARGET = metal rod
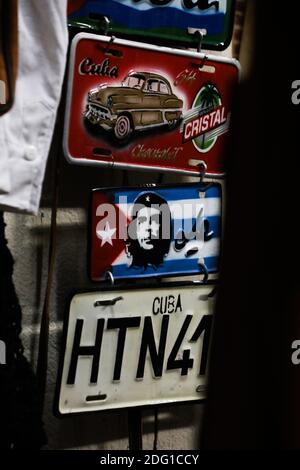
x: 135, y: 429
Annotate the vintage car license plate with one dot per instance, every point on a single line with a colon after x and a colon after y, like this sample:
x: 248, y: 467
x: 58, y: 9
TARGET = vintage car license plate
x: 171, y: 21
x: 131, y: 105
x: 155, y: 231
x: 128, y: 348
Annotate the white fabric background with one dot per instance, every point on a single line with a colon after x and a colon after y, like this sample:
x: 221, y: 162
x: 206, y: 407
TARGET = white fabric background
x: 26, y: 130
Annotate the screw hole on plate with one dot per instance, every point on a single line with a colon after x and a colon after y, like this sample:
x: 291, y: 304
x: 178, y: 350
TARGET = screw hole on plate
x: 114, y: 52
x: 191, y: 252
x: 109, y: 302
x: 196, y: 32
x: 207, y: 68
x: 108, y: 51
x: 203, y: 67
x: 98, y: 151
x: 100, y: 397
x: 199, y: 163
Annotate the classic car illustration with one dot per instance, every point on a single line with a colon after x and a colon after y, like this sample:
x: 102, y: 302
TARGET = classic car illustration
x: 144, y: 100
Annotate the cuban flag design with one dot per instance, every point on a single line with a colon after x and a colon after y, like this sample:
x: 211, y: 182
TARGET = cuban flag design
x: 155, y: 231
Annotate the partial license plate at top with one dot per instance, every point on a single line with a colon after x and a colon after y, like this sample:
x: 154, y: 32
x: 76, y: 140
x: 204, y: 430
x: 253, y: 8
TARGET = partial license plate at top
x: 172, y: 21
x: 129, y: 348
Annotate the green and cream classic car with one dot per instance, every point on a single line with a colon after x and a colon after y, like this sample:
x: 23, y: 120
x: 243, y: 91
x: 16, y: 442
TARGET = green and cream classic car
x: 144, y: 100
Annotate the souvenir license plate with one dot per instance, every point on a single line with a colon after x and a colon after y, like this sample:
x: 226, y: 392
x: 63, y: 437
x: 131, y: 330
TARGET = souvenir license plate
x: 136, y: 347
x: 131, y: 105
x: 156, y: 230
x: 168, y: 21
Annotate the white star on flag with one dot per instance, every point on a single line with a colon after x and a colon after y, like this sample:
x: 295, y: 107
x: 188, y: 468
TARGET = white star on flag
x: 106, y: 234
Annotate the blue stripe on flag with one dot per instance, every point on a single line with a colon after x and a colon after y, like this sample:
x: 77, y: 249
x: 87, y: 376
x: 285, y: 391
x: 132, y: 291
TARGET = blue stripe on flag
x: 171, y: 268
x: 170, y: 194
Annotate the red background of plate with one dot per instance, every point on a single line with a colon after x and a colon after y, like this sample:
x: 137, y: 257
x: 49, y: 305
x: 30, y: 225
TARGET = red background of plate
x: 81, y: 143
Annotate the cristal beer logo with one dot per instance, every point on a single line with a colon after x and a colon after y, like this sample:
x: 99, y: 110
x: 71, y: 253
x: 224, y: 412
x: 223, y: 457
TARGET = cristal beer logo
x: 207, y: 120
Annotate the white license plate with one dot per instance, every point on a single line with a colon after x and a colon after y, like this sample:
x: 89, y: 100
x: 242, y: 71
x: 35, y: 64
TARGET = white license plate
x: 136, y: 347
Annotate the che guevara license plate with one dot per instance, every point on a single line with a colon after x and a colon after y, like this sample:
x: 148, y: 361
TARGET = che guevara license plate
x: 128, y: 348
x: 172, y: 21
x: 155, y: 230
x: 133, y: 105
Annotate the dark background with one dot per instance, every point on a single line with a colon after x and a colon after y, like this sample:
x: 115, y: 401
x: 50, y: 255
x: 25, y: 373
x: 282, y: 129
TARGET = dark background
x: 254, y: 396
